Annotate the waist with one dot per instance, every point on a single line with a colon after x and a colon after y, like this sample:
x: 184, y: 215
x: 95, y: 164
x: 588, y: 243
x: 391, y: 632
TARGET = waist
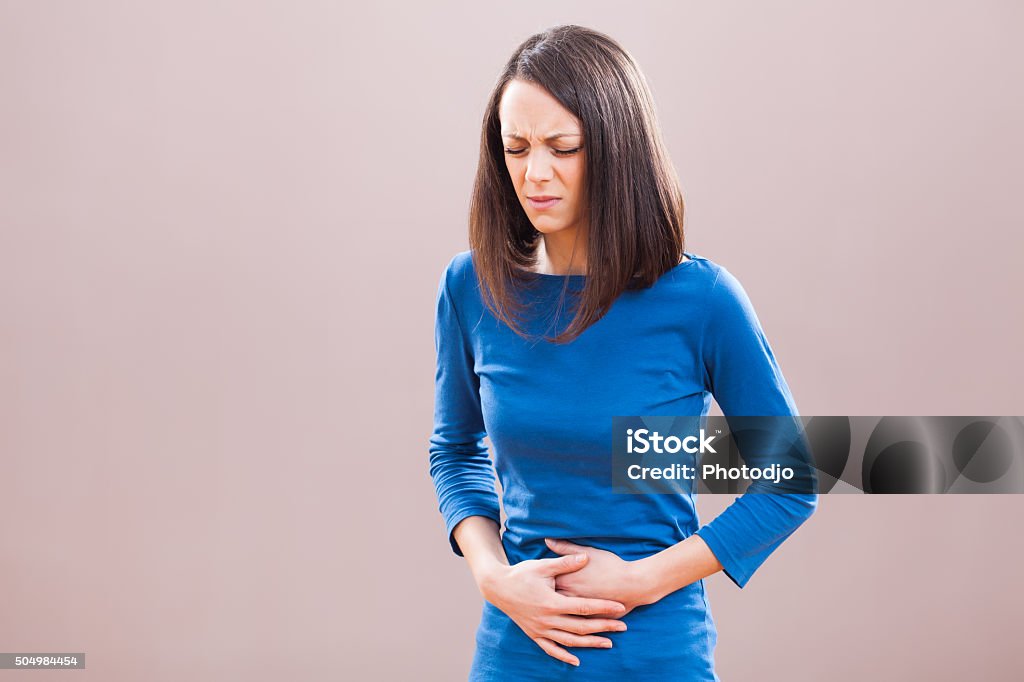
x: 523, y: 548
x: 674, y: 635
x: 631, y: 526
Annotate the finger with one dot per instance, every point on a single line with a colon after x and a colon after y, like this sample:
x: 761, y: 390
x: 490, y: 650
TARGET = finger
x: 566, y: 583
x: 582, y: 606
x: 564, y: 546
x: 555, y: 651
x: 587, y: 626
x: 567, y: 590
x: 563, y: 564
x: 569, y: 639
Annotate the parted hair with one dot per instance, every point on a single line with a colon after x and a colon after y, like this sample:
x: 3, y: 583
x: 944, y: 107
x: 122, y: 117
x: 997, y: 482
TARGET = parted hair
x: 632, y: 198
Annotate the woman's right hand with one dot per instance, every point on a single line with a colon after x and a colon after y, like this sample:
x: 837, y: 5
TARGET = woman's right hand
x: 526, y: 593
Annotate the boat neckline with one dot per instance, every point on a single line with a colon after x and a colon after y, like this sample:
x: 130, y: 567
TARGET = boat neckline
x: 691, y: 258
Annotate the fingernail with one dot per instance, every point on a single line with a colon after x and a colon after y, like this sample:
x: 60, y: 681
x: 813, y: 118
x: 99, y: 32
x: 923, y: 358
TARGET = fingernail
x: 607, y: 645
x: 580, y: 558
x: 621, y: 628
x: 576, y: 662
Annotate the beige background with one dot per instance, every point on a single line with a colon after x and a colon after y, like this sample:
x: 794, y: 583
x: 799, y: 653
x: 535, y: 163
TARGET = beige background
x: 223, y: 225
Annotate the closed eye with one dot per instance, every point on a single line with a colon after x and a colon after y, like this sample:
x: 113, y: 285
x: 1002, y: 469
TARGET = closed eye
x: 557, y: 152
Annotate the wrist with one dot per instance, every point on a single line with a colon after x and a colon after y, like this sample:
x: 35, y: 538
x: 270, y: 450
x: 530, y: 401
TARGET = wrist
x: 675, y: 567
x: 644, y: 574
x: 487, y: 573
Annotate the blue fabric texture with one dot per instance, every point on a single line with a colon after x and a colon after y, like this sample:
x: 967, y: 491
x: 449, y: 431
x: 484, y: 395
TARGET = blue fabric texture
x: 547, y: 410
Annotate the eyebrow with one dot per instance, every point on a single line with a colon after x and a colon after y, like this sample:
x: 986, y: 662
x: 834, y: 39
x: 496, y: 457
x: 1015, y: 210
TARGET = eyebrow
x: 517, y: 136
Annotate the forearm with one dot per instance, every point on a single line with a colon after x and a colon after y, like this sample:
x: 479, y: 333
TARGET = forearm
x: 480, y: 542
x: 676, y: 567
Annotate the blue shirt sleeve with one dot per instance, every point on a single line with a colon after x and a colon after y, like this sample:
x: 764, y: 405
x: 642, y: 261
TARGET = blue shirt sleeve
x: 742, y: 374
x: 461, y: 469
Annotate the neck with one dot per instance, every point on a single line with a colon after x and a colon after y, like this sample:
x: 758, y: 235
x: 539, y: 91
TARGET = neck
x: 562, y: 253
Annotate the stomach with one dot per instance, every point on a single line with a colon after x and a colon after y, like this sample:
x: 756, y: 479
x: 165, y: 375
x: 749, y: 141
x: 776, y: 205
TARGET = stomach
x: 674, y: 638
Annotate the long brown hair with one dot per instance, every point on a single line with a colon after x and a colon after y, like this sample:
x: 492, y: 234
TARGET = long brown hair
x: 634, y: 203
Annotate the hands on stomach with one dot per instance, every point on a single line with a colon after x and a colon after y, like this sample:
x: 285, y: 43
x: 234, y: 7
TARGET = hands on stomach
x: 604, y: 575
x: 564, y: 601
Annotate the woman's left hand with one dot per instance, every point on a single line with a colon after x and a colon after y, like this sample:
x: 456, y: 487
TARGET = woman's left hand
x: 606, y: 576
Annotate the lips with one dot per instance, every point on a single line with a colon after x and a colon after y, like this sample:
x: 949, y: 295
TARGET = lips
x: 542, y: 202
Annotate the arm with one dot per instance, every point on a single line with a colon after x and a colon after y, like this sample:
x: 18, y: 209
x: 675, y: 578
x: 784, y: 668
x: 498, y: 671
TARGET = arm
x: 459, y: 464
x: 464, y: 481
x: 744, y: 377
x: 740, y: 370
x: 483, y: 549
x: 635, y: 583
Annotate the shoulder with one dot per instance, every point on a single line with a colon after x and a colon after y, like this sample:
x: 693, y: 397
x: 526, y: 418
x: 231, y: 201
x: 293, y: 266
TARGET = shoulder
x: 720, y: 282
x: 711, y: 278
x: 727, y: 305
x: 460, y: 265
x: 720, y: 302
x: 459, y: 276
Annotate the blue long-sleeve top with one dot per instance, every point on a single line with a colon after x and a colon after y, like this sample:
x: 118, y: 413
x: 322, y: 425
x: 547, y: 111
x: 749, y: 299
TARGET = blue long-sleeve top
x: 547, y: 409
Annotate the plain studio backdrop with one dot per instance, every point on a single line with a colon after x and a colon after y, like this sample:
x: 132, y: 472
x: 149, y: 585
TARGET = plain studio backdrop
x: 222, y: 226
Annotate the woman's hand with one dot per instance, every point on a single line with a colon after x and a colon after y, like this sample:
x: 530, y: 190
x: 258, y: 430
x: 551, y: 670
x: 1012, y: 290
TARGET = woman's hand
x: 604, y: 576
x: 526, y: 593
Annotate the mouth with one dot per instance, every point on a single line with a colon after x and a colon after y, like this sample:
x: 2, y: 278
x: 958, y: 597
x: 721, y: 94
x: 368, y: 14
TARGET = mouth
x: 542, y: 202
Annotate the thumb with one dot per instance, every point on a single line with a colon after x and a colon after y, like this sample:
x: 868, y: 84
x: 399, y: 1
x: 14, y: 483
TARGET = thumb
x: 564, y: 546
x: 565, y: 564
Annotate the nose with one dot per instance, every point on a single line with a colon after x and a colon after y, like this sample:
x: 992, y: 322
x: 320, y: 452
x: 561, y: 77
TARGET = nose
x: 538, y: 167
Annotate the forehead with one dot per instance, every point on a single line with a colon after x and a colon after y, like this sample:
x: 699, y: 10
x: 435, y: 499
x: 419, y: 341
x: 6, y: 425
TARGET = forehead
x: 528, y: 110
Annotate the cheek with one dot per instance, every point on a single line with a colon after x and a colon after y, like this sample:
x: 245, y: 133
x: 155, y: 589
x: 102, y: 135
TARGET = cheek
x: 573, y: 182
x: 574, y: 178
x: 516, y: 170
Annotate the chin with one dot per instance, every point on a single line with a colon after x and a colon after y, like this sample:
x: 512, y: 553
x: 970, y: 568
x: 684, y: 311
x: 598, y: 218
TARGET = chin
x: 547, y: 227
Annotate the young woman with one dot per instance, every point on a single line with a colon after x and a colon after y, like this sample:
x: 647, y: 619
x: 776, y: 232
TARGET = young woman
x: 577, y: 302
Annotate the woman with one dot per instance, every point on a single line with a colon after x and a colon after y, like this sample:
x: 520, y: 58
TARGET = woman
x: 577, y: 215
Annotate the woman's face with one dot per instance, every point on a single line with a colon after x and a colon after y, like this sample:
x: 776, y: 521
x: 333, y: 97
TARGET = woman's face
x: 544, y: 156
